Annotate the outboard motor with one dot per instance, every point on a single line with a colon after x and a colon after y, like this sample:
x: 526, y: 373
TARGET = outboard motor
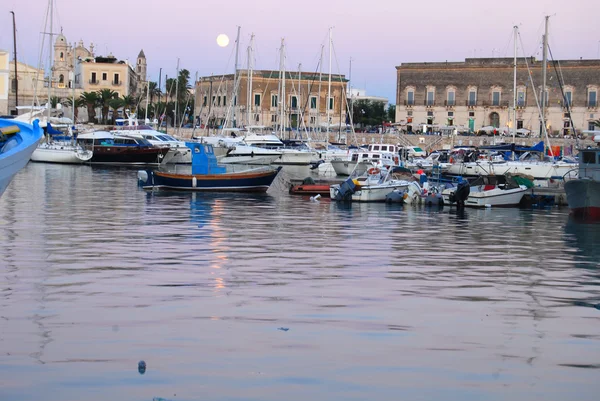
x: 347, y: 188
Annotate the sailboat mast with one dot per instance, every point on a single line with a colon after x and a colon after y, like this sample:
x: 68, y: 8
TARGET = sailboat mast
x: 299, y: 98
x: 176, y: 95
x: 329, y: 87
x: 50, y: 58
x: 515, y: 86
x: 73, y: 81
x: 282, y: 99
x: 15, y: 57
x: 249, y: 72
x: 351, y: 111
x: 320, y: 81
x: 544, y: 74
x: 235, y: 76
x: 147, y: 99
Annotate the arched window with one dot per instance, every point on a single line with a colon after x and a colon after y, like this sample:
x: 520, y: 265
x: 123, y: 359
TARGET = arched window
x: 61, y: 79
x: 495, y: 119
x: 62, y: 56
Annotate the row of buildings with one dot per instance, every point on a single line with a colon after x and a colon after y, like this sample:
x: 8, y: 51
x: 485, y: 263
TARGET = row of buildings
x: 75, y: 69
x: 472, y: 94
x: 479, y: 93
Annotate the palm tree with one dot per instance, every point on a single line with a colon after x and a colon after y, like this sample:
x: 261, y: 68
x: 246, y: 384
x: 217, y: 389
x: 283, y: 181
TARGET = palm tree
x: 78, y: 103
x: 129, y: 102
x: 90, y: 99
x: 104, y: 96
x: 153, y: 90
x: 115, y: 104
x: 597, y: 123
x: 54, y: 101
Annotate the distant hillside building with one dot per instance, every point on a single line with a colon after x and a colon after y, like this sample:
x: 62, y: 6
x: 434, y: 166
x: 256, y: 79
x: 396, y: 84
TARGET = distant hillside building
x: 305, y: 99
x: 479, y: 92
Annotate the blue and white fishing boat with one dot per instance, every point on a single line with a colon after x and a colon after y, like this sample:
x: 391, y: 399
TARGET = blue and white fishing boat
x: 17, y: 142
x: 208, y: 175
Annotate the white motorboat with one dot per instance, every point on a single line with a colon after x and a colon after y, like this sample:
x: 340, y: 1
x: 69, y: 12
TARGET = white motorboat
x: 253, y: 155
x: 361, y: 161
x: 18, y: 140
x: 489, y: 195
x: 374, y: 186
x: 257, y: 136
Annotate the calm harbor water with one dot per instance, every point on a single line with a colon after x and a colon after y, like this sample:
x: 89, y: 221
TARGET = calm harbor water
x: 273, y: 297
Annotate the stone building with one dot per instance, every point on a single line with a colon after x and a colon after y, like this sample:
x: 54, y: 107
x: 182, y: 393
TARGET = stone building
x: 4, y: 82
x: 305, y: 100
x: 479, y: 92
x: 31, y: 85
x: 76, y: 69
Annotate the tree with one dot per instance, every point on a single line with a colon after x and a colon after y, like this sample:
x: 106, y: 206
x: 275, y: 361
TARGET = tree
x: 391, y: 113
x: 129, y: 102
x: 90, y: 99
x: 153, y: 91
x: 55, y: 101
x: 597, y: 123
x: 115, y: 104
x: 368, y: 113
x: 78, y: 103
x: 104, y: 97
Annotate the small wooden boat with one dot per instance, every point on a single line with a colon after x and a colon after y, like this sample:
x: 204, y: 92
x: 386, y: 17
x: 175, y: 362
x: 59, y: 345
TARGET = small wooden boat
x: 207, y: 175
x: 310, y: 189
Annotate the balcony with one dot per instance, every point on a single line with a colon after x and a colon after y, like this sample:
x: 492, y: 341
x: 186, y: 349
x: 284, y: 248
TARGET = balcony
x: 117, y: 83
x: 409, y: 104
x: 449, y: 104
x: 94, y: 82
x: 591, y: 104
x: 429, y: 103
x: 471, y: 104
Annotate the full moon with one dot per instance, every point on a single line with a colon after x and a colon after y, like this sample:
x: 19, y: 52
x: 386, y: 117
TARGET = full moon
x: 222, y: 40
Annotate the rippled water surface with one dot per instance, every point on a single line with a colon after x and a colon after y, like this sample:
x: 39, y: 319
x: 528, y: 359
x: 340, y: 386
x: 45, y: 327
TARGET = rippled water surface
x: 379, y: 301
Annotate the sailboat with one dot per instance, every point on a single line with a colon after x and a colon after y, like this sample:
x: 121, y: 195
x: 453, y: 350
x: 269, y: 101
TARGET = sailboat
x: 57, y: 146
x: 532, y: 163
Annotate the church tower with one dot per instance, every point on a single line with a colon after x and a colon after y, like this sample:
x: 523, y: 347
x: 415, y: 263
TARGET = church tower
x: 61, y: 67
x: 141, y: 69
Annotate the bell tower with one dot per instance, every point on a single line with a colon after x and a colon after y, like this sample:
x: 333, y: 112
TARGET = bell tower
x: 60, y: 69
x: 141, y: 66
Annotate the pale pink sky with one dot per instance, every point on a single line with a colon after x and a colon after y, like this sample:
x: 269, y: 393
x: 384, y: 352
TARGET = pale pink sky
x: 378, y: 35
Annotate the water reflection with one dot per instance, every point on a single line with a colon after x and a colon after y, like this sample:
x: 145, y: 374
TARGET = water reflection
x: 377, y: 298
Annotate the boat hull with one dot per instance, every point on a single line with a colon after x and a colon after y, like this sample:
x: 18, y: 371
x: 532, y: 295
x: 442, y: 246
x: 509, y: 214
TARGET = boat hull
x: 538, y: 170
x: 14, y: 159
x: 127, y: 155
x: 370, y: 193
x: 322, y: 189
x: 583, y: 197
x: 228, y: 182
x: 495, y: 197
x: 294, y: 157
x: 347, y: 167
x: 63, y: 154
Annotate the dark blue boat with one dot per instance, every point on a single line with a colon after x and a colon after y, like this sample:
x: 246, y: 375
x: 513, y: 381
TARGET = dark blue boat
x: 208, y: 175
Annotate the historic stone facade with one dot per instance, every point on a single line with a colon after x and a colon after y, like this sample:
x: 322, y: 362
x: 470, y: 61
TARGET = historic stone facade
x: 76, y: 69
x: 305, y: 100
x: 4, y: 82
x: 479, y: 92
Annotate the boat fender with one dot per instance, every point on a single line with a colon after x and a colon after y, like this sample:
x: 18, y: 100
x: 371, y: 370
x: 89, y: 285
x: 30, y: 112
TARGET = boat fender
x: 252, y: 154
x: 194, y: 182
x: 373, y: 170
